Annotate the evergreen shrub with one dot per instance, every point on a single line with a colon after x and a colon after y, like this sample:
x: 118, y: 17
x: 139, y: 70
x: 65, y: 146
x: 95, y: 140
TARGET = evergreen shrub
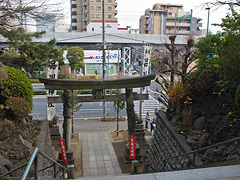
x: 16, y: 84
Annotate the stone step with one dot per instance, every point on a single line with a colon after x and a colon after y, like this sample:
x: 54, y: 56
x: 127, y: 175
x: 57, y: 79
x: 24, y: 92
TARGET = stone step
x: 213, y: 173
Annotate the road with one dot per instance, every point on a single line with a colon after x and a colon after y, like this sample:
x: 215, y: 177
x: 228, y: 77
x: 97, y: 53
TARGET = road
x: 94, y: 109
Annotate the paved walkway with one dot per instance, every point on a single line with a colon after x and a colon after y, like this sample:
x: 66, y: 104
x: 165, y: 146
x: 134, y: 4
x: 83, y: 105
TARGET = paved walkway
x: 98, y: 155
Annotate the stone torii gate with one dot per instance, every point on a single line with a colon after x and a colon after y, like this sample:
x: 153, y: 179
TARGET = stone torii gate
x: 97, y: 86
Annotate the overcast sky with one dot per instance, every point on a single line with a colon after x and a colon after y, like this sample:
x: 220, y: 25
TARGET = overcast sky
x: 129, y: 11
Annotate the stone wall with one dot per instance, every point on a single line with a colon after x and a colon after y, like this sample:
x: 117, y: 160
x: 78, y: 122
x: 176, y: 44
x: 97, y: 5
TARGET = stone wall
x: 165, y: 144
x: 45, y: 145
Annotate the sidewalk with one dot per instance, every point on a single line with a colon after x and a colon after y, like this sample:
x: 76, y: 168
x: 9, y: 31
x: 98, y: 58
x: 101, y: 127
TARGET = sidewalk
x: 98, y: 155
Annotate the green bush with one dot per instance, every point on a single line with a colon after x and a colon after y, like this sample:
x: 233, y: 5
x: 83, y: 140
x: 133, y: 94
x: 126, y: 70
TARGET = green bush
x: 18, y: 108
x: 17, y: 84
x: 237, y: 97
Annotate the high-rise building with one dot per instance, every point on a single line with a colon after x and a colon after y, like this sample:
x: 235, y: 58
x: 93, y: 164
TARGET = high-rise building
x: 51, y: 22
x: 83, y: 12
x: 169, y: 19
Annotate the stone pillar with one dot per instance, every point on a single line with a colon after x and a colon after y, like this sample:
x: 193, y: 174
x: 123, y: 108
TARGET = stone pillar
x: 131, y: 118
x: 67, y: 114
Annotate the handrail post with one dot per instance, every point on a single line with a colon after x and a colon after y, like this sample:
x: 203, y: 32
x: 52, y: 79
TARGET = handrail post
x: 36, y: 167
x: 63, y: 173
x: 194, y: 155
x: 55, y: 170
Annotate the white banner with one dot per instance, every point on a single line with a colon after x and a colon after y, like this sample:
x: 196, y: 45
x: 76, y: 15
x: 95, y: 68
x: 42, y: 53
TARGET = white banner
x: 52, y: 73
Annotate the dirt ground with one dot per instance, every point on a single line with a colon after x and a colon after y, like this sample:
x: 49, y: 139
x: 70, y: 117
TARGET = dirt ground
x: 119, y: 146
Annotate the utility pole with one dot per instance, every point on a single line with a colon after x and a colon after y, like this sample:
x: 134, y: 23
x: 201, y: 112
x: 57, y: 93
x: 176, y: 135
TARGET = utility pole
x: 103, y: 54
x: 208, y: 8
x: 103, y: 41
x: 191, y: 22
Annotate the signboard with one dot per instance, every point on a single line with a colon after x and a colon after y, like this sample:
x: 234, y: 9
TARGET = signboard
x: 52, y: 73
x: 131, y: 147
x: 146, y: 59
x: 63, y: 150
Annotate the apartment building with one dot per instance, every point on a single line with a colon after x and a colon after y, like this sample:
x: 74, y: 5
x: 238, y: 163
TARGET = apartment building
x: 83, y: 12
x: 169, y: 19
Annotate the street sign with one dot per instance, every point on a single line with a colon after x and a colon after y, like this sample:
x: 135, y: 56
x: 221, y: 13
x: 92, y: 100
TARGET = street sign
x: 63, y: 150
x: 131, y: 147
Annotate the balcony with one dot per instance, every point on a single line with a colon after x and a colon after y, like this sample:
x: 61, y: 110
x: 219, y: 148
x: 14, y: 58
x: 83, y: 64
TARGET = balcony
x: 178, y: 24
x: 177, y: 32
x: 115, y: 4
x: 115, y: 12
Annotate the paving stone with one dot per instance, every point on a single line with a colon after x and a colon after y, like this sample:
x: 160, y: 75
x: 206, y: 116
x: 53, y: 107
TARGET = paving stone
x: 99, y: 157
x: 100, y: 164
x: 110, y: 171
x: 102, y: 171
x: 106, y: 158
x: 94, y: 172
x: 98, y: 153
x: 93, y: 165
x: 92, y: 158
x: 111, y: 152
x: 117, y: 170
x: 86, y: 172
x: 108, y: 164
x: 115, y: 163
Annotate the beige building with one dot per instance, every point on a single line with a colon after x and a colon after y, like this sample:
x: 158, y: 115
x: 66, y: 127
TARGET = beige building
x: 168, y: 19
x: 85, y: 11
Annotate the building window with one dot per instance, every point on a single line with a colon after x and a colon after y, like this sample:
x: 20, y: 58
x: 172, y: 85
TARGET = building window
x: 93, y: 0
x: 74, y: 20
x: 98, y: 0
x: 98, y: 8
x: 109, y: 16
x: 74, y: 28
x: 92, y: 29
x: 110, y: 8
x: 170, y: 13
x: 188, y: 29
x: 98, y: 16
x: 92, y: 7
x: 92, y: 15
x: 74, y: 13
x: 74, y: 5
x: 110, y: 1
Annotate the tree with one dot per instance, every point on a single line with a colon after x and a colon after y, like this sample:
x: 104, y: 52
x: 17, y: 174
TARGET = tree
x: 220, y: 53
x: 15, y: 13
x: 75, y: 57
x: 179, y: 59
x: 208, y: 52
x: 31, y: 56
x: 118, y: 106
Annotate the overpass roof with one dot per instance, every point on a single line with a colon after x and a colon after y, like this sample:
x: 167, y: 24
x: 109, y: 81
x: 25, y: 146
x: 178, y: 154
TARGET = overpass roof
x: 94, y: 40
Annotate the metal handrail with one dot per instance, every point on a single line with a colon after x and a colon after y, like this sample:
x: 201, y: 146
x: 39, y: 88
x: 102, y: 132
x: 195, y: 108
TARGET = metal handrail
x: 13, y: 170
x: 34, y: 159
x: 196, y: 151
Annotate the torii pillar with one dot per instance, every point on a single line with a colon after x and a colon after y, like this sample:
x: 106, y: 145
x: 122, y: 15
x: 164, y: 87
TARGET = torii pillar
x: 131, y: 118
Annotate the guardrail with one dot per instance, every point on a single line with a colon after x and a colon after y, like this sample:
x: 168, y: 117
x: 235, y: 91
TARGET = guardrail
x: 66, y: 173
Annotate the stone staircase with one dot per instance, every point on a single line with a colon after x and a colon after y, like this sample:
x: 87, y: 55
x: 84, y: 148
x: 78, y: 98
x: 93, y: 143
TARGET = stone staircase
x: 212, y: 173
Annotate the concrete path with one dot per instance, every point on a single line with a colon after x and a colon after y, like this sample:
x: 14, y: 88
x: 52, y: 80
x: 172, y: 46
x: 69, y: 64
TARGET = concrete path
x: 98, y: 155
